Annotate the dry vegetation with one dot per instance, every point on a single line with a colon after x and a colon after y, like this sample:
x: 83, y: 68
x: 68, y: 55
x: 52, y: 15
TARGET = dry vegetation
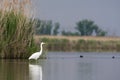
x: 16, y: 29
x: 17, y: 6
x: 86, y: 43
x: 76, y: 38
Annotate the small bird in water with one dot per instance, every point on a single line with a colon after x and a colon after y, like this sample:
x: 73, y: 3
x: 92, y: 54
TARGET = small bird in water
x: 113, y: 57
x: 81, y: 56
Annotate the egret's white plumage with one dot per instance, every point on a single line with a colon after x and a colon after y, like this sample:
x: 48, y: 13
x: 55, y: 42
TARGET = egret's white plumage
x: 37, y: 54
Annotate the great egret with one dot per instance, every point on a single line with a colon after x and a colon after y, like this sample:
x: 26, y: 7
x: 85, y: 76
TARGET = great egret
x: 37, y: 54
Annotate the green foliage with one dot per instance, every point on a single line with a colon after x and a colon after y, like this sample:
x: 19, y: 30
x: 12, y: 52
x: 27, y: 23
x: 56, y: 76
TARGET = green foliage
x: 70, y: 33
x: 16, y: 35
x: 100, y: 32
x: 54, y: 44
x: 48, y: 28
x: 86, y: 28
x: 55, y: 31
x: 44, y: 27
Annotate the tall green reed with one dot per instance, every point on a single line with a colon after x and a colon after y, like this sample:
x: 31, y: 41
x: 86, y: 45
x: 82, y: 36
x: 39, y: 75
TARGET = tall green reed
x: 16, y: 33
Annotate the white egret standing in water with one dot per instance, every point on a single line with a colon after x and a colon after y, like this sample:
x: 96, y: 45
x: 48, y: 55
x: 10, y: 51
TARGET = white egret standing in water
x: 37, y: 54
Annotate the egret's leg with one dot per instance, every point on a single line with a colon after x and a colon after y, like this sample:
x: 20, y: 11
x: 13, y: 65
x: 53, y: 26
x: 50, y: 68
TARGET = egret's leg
x: 36, y: 61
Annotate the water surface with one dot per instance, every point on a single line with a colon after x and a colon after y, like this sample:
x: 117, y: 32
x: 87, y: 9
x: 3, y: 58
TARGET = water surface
x: 63, y: 66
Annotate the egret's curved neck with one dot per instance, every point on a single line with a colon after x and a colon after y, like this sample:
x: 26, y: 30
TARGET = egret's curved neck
x: 41, y: 48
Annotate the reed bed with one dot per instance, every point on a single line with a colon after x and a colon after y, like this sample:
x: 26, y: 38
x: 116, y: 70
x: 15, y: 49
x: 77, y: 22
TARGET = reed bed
x: 82, y: 44
x: 16, y: 29
x: 76, y: 38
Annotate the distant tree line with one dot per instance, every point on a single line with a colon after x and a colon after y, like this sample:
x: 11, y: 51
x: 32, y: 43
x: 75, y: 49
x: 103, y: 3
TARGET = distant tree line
x: 83, y: 28
x: 44, y: 27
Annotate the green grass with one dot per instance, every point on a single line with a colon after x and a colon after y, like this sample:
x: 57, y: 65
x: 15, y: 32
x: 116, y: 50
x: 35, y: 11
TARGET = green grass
x: 16, y: 35
x: 81, y: 45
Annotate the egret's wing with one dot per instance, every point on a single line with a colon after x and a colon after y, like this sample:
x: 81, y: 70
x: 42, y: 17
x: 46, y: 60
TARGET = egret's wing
x: 34, y: 55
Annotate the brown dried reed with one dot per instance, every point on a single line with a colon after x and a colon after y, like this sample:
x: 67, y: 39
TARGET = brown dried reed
x: 16, y: 29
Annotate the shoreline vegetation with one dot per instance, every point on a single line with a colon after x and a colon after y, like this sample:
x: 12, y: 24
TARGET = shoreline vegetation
x: 18, y: 39
x: 16, y: 29
x: 80, y: 44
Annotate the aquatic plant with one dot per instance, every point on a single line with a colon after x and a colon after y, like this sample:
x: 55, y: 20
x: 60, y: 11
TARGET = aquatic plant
x: 80, y: 44
x: 16, y: 29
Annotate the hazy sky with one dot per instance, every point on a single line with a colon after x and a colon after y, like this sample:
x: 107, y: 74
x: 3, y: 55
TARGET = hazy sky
x: 105, y: 13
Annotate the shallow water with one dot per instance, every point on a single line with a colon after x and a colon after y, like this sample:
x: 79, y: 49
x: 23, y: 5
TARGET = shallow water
x: 63, y: 66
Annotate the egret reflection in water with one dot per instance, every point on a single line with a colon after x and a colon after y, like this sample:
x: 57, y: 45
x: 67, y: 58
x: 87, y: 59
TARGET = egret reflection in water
x: 35, y: 72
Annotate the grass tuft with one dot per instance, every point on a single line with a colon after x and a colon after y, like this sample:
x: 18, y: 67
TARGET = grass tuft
x: 16, y: 30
